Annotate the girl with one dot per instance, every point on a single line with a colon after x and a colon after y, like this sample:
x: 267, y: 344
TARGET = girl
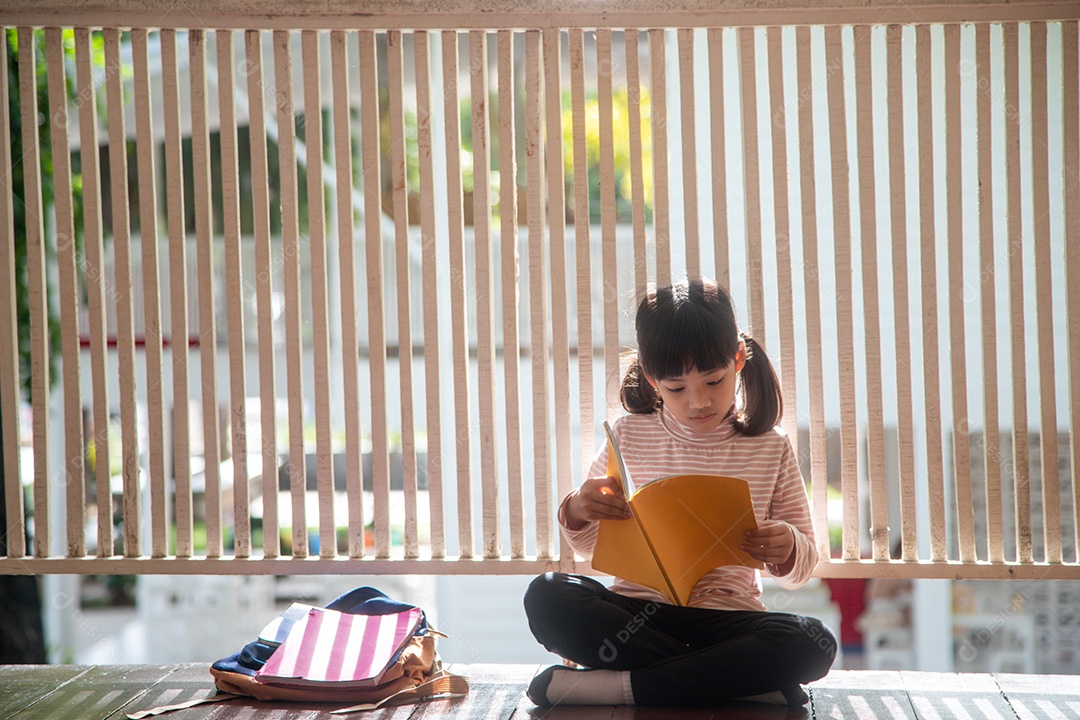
x: 703, y: 399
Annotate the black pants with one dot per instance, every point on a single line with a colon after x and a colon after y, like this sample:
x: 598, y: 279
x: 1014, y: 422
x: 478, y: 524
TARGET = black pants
x: 677, y: 656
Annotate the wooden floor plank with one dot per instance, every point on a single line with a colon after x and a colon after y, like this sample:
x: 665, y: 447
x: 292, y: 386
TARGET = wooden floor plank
x: 1040, y: 696
x: 525, y: 709
x: 498, y: 693
x: 178, y: 685
x: 495, y: 692
x: 726, y: 711
x: 1066, y: 685
x: 192, y: 681
x: 865, y: 694
x: 24, y: 685
x: 860, y: 679
x: 98, y: 693
x: 947, y: 695
x: 567, y: 712
x: 249, y: 709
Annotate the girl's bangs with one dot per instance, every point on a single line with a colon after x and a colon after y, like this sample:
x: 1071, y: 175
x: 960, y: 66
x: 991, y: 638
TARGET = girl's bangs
x: 691, y: 340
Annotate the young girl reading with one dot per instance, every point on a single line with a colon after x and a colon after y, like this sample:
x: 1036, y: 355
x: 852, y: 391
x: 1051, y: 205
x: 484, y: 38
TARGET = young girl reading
x: 703, y: 398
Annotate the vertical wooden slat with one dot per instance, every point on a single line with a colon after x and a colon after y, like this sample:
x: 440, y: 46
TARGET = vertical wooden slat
x: 784, y: 281
x: 752, y: 185
x: 74, y: 473
x: 430, y: 269
x: 350, y: 351
x: 812, y: 292
x: 431, y: 296
x: 125, y: 329
x: 204, y: 245
x: 35, y: 263
x: 485, y: 293
x: 901, y: 312
x: 987, y: 283
x: 928, y: 263
x: 875, y: 432
x: 957, y: 350
x: 320, y: 323
x: 178, y: 323
x: 689, y: 151
x: 459, y: 328
x: 15, y: 541
x: 511, y: 337
x: 1018, y: 338
x: 1043, y: 295
x: 658, y: 114
x: 637, y: 173
x: 234, y: 284
x: 560, y: 331
x: 583, y: 244
x: 608, y: 219
x: 538, y: 296
x: 290, y: 249
x: 719, y: 156
x: 845, y: 345
x: 148, y: 238
x: 264, y: 282
x: 1070, y: 56
x: 401, y: 232
x: 380, y: 449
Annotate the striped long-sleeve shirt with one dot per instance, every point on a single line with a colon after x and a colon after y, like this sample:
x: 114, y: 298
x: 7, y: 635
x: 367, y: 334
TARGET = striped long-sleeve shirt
x: 657, y: 445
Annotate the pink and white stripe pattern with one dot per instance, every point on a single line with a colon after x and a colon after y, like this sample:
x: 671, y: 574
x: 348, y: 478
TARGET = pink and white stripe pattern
x: 330, y: 646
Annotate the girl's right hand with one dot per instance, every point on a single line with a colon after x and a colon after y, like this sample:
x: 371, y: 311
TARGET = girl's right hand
x: 598, y: 498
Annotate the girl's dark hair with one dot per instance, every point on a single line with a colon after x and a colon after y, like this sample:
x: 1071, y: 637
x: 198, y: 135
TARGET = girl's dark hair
x: 691, y: 324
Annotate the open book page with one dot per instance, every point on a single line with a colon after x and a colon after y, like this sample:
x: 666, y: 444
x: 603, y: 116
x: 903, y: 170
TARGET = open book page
x: 621, y: 548
x: 696, y: 523
x: 682, y: 527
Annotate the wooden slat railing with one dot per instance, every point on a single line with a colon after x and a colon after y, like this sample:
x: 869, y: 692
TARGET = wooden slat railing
x: 9, y: 338
x: 459, y: 357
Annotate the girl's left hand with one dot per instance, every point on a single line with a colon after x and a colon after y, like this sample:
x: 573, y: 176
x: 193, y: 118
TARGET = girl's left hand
x: 772, y: 542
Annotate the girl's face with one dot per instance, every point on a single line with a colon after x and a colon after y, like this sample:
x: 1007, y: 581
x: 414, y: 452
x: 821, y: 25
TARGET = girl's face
x: 701, y: 400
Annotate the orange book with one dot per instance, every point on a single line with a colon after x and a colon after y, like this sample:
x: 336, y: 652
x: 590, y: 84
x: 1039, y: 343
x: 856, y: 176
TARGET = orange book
x: 681, y: 527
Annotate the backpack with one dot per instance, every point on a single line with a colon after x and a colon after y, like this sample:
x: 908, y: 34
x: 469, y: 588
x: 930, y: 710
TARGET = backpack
x: 364, y: 650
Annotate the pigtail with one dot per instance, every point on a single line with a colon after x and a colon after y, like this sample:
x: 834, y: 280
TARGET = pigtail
x: 637, y: 395
x: 762, y: 401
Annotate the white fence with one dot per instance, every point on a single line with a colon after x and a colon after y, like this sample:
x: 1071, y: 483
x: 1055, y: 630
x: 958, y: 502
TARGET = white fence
x: 893, y: 199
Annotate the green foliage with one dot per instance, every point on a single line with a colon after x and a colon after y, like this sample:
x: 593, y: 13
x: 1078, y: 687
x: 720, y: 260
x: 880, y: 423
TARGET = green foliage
x: 621, y: 145
x: 620, y: 141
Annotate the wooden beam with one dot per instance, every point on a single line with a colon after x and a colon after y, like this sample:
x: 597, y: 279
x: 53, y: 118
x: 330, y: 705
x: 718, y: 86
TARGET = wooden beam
x: 495, y: 566
x: 495, y: 14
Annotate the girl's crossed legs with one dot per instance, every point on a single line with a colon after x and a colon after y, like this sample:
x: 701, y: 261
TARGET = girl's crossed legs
x: 677, y: 656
